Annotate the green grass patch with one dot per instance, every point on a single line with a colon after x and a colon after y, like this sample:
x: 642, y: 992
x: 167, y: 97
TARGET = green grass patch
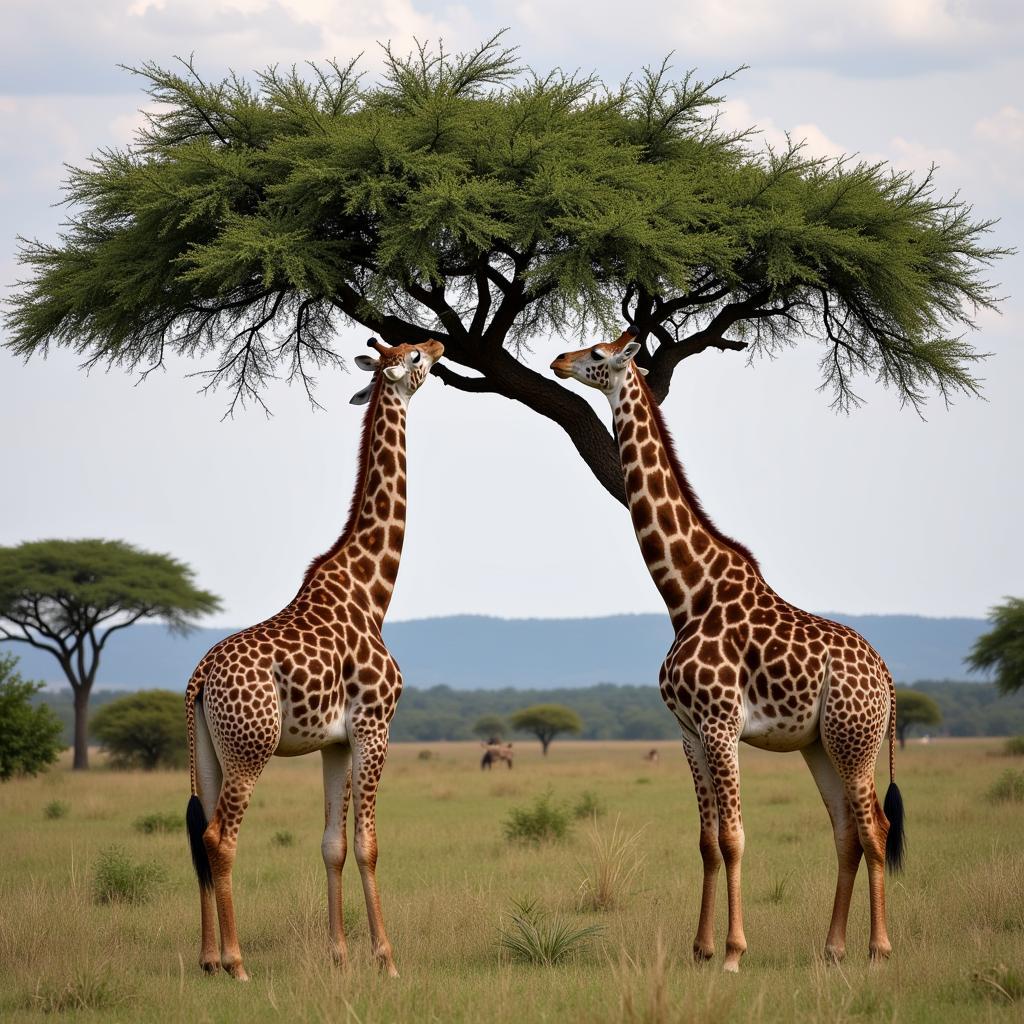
x: 119, y: 879
x: 544, y: 821
x: 157, y: 822
x: 1008, y: 788
x: 531, y: 935
x: 56, y: 809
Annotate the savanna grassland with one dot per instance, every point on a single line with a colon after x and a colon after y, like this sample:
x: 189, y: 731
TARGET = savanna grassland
x: 449, y: 878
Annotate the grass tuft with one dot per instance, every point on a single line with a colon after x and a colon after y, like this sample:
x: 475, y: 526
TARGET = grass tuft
x: 543, y: 822
x: 85, y: 990
x: 425, y: 755
x: 158, y: 823
x: 615, y: 861
x: 533, y: 936
x: 589, y: 805
x: 777, y: 890
x: 282, y: 838
x: 1014, y: 746
x: 118, y: 879
x: 1008, y: 788
x: 56, y: 809
x: 999, y: 982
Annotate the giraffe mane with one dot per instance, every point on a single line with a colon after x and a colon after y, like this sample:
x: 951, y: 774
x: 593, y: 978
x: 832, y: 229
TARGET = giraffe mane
x: 689, y: 495
x: 362, y: 473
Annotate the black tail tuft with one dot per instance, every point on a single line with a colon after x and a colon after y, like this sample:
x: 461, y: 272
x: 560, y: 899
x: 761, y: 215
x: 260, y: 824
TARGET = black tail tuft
x: 195, y: 822
x: 896, y: 842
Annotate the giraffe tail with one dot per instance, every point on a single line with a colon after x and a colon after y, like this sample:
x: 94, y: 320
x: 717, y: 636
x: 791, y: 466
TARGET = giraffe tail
x: 195, y: 817
x: 895, y: 842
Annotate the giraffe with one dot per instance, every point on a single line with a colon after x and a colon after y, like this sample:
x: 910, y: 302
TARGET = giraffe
x: 315, y: 676
x: 747, y: 665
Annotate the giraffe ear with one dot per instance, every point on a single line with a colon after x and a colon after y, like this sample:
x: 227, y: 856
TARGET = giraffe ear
x: 628, y: 351
x: 643, y: 371
x: 395, y: 373
x: 366, y: 363
x: 361, y: 397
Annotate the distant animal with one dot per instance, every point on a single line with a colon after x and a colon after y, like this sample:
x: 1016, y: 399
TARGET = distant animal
x: 747, y: 665
x: 495, y: 750
x: 651, y: 756
x: 315, y: 676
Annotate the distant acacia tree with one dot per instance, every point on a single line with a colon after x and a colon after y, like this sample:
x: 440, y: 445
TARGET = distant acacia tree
x: 488, y: 726
x: 467, y: 198
x: 68, y: 597
x: 30, y: 736
x: 143, y: 730
x: 914, y: 708
x: 546, y: 721
x: 1002, y: 648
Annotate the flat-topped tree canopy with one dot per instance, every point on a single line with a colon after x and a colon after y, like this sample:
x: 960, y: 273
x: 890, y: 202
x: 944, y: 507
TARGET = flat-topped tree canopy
x: 468, y: 198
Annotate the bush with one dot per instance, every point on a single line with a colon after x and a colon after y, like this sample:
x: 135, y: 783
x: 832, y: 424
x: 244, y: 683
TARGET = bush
x: 532, y: 937
x: 1009, y: 788
x: 149, y: 824
x: 1014, y: 746
x: 545, y: 821
x: 589, y: 805
x: 143, y: 730
x: 30, y: 736
x: 283, y: 838
x: 118, y: 879
x: 56, y: 809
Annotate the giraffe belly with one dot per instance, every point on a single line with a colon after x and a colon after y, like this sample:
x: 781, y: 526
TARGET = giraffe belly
x: 310, y: 730
x: 786, y: 730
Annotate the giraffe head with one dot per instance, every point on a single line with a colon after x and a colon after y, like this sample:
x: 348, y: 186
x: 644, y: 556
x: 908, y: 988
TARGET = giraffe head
x: 401, y: 367
x: 602, y: 366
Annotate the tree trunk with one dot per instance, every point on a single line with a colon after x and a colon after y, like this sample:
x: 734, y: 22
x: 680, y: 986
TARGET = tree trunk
x: 902, y: 734
x: 545, y: 742
x: 81, y: 761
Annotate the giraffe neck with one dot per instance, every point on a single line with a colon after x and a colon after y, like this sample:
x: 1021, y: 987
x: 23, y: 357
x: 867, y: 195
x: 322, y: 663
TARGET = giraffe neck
x: 685, y: 553
x: 363, y: 562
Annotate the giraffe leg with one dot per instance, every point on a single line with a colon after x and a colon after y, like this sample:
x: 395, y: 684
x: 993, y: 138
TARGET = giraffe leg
x: 704, y: 941
x: 209, y: 779
x: 720, y: 749
x: 369, y: 751
x: 873, y: 828
x: 337, y: 763
x: 848, y: 848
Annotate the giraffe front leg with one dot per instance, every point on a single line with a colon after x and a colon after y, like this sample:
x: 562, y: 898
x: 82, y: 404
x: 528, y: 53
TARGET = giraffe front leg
x: 370, y: 747
x: 711, y: 858
x: 720, y: 749
x: 337, y: 762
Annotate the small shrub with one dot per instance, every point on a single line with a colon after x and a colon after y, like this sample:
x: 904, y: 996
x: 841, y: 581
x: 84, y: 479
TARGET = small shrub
x: 1008, y: 788
x: 56, y: 809
x: 150, y: 824
x: 118, y: 879
x: 85, y: 990
x: 643, y: 781
x: 533, y: 937
x: 615, y: 862
x: 142, y: 730
x: 425, y: 755
x: 30, y: 734
x: 283, y: 838
x: 1014, y: 746
x: 545, y: 821
x: 589, y: 805
x: 1000, y: 982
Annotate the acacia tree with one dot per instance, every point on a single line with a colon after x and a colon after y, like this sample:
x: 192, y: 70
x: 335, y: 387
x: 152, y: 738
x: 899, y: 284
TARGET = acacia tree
x: 467, y: 198
x: 68, y: 597
x: 914, y: 708
x: 1002, y: 647
x: 546, y: 721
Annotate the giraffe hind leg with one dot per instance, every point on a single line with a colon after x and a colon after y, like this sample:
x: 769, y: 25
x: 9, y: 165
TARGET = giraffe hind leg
x: 711, y: 857
x: 337, y: 769
x: 848, y: 848
x: 209, y: 779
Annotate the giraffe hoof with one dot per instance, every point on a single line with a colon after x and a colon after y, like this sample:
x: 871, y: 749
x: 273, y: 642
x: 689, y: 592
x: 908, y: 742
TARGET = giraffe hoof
x: 732, y: 966
x: 878, y: 953
x: 702, y: 954
x: 340, y: 958
x: 834, y: 954
x: 209, y: 966
x: 236, y: 970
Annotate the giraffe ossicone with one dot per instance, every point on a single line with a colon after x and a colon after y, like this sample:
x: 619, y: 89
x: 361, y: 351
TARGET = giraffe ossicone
x: 315, y: 676
x: 748, y: 666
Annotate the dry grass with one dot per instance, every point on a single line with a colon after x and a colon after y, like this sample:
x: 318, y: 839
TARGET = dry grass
x: 446, y: 873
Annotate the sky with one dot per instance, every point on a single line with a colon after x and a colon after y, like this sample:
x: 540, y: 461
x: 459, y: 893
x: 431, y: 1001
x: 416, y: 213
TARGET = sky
x: 876, y: 511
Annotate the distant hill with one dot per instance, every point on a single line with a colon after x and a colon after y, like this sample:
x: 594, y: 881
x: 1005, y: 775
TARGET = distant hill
x: 479, y: 652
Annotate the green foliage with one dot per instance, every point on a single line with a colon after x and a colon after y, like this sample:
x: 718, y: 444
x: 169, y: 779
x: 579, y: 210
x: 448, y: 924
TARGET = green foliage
x: 282, y: 838
x: 914, y: 708
x: 143, y: 730
x: 1014, y: 746
x: 543, y: 822
x: 248, y: 217
x: 1002, y: 648
x: 29, y: 735
x: 532, y: 936
x: 489, y: 726
x: 56, y: 809
x: 778, y: 889
x: 159, y: 822
x: 119, y: 879
x: 546, y: 721
x: 975, y: 709
x: 589, y: 805
x: 1008, y: 788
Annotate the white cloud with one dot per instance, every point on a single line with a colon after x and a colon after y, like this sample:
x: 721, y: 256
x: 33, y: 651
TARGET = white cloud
x: 1005, y: 128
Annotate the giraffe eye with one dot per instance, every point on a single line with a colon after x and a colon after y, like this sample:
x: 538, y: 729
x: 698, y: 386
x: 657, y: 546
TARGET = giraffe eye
x: 415, y: 357
x: 596, y: 356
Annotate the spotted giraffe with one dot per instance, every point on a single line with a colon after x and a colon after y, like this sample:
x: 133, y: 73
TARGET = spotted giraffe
x: 315, y: 676
x: 747, y: 665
